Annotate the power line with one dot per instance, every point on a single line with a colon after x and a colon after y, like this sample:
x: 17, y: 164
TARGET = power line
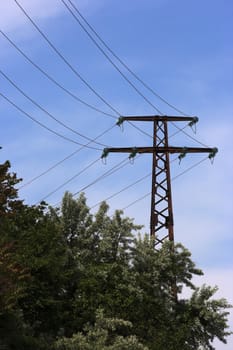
x: 63, y: 160
x: 173, y: 179
x: 46, y: 112
x: 118, y: 69
x: 49, y: 169
x: 44, y: 126
x: 122, y: 190
x: 137, y: 200
x: 74, y: 70
x: 54, y: 81
x: 69, y: 156
x: 127, y: 187
x: 70, y: 179
x: 120, y: 60
x: 109, y: 172
x: 161, y: 218
x: 115, y: 168
x: 190, y: 136
x: 68, y: 92
x: 110, y: 60
x: 190, y: 168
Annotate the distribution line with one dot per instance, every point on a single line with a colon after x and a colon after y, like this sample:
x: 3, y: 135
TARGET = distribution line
x: 77, y: 74
x: 178, y: 131
x: 109, y: 172
x: 127, y: 187
x: 122, y: 190
x: 116, y: 167
x: 74, y: 70
x: 173, y: 179
x: 149, y: 193
x: 110, y: 60
x: 54, y: 81
x: 69, y: 156
x: 44, y: 126
x: 70, y: 179
x: 119, y: 70
x: 68, y: 92
x: 16, y: 1
x: 190, y: 136
x: 121, y: 61
x: 46, y: 112
x: 64, y: 159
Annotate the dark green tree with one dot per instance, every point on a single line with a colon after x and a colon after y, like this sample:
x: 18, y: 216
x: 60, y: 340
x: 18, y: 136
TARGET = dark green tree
x: 59, y: 267
x: 32, y: 268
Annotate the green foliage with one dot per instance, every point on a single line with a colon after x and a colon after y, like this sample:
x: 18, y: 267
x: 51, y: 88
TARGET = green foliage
x: 106, y: 334
x: 73, y: 280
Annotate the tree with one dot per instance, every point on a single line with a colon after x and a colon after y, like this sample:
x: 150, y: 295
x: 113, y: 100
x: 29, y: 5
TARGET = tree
x: 101, y: 251
x: 160, y: 319
x: 130, y: 280
x: 106, y: 334
x: 32, y: 261
x: 58, y: 269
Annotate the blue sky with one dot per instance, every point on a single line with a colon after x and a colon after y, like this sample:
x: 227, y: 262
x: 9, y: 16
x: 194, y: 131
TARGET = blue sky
x: 183, y: 50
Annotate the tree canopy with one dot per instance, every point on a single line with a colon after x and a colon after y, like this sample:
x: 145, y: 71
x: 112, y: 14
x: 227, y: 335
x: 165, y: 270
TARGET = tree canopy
x: 70, y: 279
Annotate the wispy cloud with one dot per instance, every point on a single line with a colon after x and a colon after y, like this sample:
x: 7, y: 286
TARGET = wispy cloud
x: 11, y: 17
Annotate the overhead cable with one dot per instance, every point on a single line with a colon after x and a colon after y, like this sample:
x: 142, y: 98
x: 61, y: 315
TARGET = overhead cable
x: 129, y: 70
x: 190, y: 136
x: 44, y: 126
x: 173, y: 179
x: 127, y: 187
x: 122, y: 190
x: 63, y: 160
x: 70, y: 179
x: 54, y: 81
x: 46, y: 112
x: 110, y: 60
x: 109, y: 172
x: 121, y: 61
x: 115, y: 168
x: 74, y: 70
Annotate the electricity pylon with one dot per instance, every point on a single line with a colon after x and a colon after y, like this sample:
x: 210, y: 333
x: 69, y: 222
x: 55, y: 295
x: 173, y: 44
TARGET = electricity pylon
x: 161, y: 218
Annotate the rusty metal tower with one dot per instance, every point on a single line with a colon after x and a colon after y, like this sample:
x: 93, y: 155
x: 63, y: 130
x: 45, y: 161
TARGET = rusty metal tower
x: 161, y: 217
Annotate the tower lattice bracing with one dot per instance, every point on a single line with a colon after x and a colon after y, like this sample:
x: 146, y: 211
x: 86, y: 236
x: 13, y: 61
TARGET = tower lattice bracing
x: 161, y: 217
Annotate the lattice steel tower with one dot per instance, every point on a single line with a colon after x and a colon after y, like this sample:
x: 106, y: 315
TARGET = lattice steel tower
x: 161, y: 218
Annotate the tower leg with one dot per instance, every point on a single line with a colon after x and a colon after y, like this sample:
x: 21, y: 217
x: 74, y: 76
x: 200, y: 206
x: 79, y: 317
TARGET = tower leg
x: 161, y: 224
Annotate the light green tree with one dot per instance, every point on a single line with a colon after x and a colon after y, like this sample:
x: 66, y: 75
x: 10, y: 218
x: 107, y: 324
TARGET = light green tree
x: 105, y: 334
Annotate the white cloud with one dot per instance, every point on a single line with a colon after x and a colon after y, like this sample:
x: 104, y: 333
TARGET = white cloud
x: 12, y: 18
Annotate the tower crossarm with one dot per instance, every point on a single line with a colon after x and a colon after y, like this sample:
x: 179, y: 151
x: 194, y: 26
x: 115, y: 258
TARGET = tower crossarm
x: 169, y: 149
x: 152, y: 118
x: 161, y: 218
